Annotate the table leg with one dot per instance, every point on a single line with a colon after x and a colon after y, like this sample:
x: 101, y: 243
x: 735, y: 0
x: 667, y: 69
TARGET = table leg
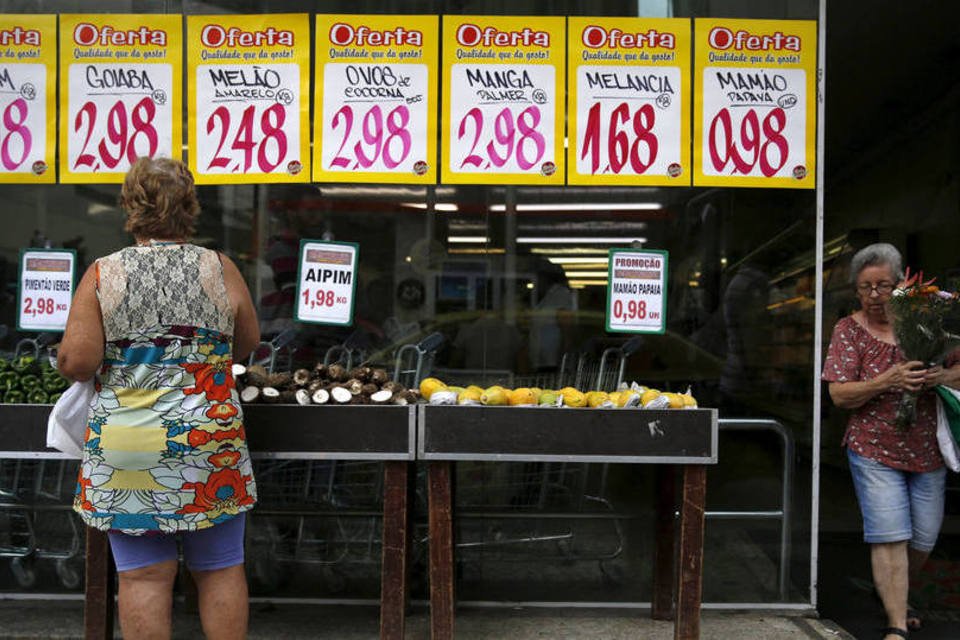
x: 664, y: 567
x: 690, y: 581
x: 440, y: 500
x: 98, y: 600
x: 394, y: 583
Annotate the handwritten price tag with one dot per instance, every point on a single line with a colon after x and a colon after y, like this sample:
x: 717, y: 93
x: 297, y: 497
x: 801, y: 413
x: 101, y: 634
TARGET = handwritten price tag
x: 375, y: 118
x: 326, y: 283
x: 118, y: 113
x: 23, y: 118
x: 502, y: 119
x: 248, y: 119
x: 637, y: 291
x: 46, y: 289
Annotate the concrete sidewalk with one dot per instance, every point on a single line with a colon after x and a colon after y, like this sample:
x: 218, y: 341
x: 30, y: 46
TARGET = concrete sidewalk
x: 60, y: 620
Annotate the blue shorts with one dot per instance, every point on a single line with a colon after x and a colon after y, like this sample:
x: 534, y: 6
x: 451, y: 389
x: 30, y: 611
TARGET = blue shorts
x: 217, y: 547
x: 898, y: 505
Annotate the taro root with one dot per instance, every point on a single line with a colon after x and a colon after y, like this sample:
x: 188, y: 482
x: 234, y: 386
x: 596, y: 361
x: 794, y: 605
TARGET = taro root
x: 288, y: 396
x: 316, y: 384
x: 369, y: 389
x: 379, y: 376
x: 279, y: 380
x: 354, y: 386
x: 320, y: 396
x: 396, y: 387
x: 320, y: 370
x: 257, y: 375
x: 250, y: 394
x: 404, y: 397
x: 340, y: 395
x: 337, y: 373
x: 239, y: 372
x: 302, y: 396
x: 301, y: 377
x: 361, y: 373
x: 270, y: 394
x: 381, y: 397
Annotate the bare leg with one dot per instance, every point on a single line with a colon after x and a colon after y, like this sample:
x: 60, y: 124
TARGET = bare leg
x: 146, y: 598
x: 890, y: 575
x: 223, y: 602
x: 916, y: 560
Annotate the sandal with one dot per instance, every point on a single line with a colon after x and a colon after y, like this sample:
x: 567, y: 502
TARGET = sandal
x: 914, y: 621
x: 893, y: 631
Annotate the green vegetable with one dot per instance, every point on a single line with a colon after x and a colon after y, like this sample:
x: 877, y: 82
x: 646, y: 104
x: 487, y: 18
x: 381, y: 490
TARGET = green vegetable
x: 29, y: 382
x: 26, y: 364
x: 54, y: 397
x: 13, y: 396
x: 52, y: 384
x: 4, y: 364
x: 9, y: 380
x: 38, y: 396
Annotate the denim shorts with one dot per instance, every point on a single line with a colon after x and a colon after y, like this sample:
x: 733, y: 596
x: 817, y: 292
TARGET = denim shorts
x: 217, y: 547
x: 898, y: 505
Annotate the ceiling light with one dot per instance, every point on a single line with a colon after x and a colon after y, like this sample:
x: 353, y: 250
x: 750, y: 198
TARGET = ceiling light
x: 478, y: 250
x: 579, y: 284
x: 581, y: 206
x: 570, y: 251
x: 582, y: 240
x: 588, y: 274
x: 562, y: 260
x: 439, y: 206
x: 467, y: 239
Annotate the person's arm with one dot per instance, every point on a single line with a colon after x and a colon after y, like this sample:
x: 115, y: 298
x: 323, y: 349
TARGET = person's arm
x: 947, y: 376
x: 81, y: 351
x: 246, y: 329
x: 905, y: 376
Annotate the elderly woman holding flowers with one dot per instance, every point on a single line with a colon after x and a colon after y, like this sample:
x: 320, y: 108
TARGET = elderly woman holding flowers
x: 898, y: 473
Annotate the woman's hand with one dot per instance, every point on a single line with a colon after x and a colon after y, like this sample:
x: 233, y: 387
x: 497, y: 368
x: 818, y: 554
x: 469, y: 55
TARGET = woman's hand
x: 905, y: 376
x: 949, y: 376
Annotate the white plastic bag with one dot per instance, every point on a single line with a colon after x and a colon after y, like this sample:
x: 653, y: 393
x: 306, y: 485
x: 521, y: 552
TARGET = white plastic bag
x: 67, y: 424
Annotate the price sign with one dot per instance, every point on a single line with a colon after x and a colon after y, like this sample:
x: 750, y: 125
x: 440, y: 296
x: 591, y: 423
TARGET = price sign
x: 46, y: 289
x: 121, y: 98
x: 755, y: 113
x: 249, y: 84
x: 637, y: 291
x: 375, y: 101
x: 503, y: 113
x: 326, y: 282
x: 629, y: 101
x: 28, y: 71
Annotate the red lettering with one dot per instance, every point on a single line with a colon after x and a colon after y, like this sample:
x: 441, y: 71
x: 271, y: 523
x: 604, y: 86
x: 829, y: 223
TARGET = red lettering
x: 88, y: 35
x: 594, y: 37
x: 20, y: 36
x: 215, y: 36
x: 342, y: 34
x: 470, y: 35
x: 723, y: 38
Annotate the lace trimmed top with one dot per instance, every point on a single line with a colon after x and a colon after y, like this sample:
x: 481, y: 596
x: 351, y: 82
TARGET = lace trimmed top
x: 165, y: 447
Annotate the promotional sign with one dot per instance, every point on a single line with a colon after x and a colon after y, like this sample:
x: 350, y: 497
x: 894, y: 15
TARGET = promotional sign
x: 503, y: 83
x: 28, y: 72
x: 46, y: 289
x: 755, y: 109
x: 249, y: 85
x: 637, y: 291
x: 375, y: 99
x: 326, y: 282
x: 120, y: 93
x: 629, y: 101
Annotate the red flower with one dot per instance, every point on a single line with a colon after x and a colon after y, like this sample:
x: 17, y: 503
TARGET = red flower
x: 85, y: 504
x: 212, y: 377
x: 224, y: 490
x: 222, y: 413
x: 198, y: 437
x: 222, y: 459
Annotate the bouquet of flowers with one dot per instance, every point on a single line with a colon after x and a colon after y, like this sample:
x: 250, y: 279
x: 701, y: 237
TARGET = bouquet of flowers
x: 921, y: 312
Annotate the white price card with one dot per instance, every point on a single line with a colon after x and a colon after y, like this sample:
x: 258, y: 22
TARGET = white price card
x: 46, y: 284
x: 249, y: 79
x: 375, y: 100
x: 503, y: 115
x: 755, y: 111
x: 28, y: 71
x: 629, y: 93
x: 326, y: 282
x: 121, y: 94
x: 637, y: 291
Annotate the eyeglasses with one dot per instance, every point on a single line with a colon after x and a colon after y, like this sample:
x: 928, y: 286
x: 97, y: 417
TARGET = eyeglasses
x: 883, y: 288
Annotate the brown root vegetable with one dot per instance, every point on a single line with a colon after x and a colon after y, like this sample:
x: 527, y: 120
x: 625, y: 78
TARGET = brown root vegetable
x: 301, y: 377
x: 379, y: 376
x: 316, y: 384
x: 279, y: 380
x: 337, y: 373
x: 238, y: 370
x: 340, y: 395
x: 320, y: 370
x: 270, y: 394
x: 360, y: 373
x: 320, y: 396
x: 302, y: 396
x: 288, y: 396
x: 381, y: 397
x: 369, y: 389
x: 354, y: 386
x: 396, y: 387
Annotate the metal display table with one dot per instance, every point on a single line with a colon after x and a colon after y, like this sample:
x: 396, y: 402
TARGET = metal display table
x: 368, y: 433
x: 677, y: 439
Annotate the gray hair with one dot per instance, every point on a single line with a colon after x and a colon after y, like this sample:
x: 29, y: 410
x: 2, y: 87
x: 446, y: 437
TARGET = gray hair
x: 877, y: 255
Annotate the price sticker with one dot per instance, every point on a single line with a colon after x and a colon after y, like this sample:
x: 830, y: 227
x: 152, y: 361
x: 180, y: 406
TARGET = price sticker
x: 326, y: 282
x: 46, y: 282
x: 629, y: 101
x: 249, y: 105
x: 122, y: 99
x: 27, y: 88
x: 375, y: 106
x: 503, y: 119
x: 756, y: 111
x: 637, y: 291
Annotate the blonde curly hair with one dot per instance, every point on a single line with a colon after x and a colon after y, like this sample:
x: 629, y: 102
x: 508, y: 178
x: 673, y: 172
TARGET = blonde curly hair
x: 160, y: 200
